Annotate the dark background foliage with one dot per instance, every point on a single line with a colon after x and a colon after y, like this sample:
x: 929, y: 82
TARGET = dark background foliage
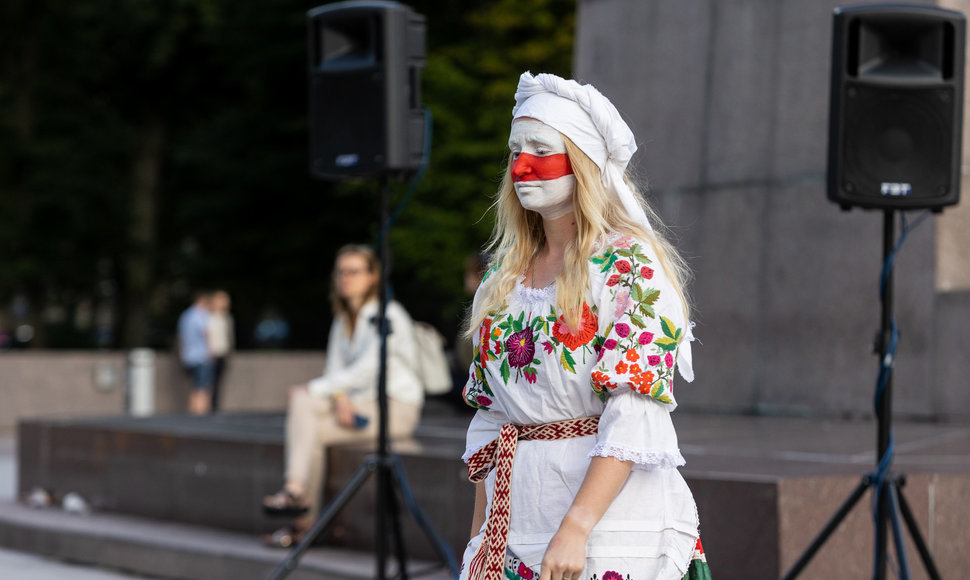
x: 149, y: 148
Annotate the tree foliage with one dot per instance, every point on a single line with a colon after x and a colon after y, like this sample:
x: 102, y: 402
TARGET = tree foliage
x: 149, y: 148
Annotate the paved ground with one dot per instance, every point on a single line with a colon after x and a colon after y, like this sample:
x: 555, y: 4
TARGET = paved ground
x: 20, y: 566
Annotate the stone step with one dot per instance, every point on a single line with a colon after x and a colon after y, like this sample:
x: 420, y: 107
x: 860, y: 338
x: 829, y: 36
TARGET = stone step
x: 173, y: 467
x: 177, y: 551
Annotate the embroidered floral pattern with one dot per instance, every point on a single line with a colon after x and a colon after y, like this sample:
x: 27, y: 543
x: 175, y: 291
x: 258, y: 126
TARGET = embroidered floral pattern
x: 628, y: 274
x: 517, y: 345
x: 512, y: 342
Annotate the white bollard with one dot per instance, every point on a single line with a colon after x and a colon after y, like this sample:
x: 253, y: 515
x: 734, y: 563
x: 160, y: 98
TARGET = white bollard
x: 141, y: 382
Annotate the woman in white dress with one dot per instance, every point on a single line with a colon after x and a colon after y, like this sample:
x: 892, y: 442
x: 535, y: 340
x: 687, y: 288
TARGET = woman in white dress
x: 578, y: 327
x: 341, y: 405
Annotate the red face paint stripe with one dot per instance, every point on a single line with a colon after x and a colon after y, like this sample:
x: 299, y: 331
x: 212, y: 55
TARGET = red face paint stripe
x: 534, y: 168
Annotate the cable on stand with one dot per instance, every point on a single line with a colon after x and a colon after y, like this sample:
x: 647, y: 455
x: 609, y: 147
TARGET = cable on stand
x: 888, y: 499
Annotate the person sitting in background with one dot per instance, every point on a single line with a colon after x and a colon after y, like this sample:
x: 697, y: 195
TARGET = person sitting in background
x: 341, y: 405
x: 193, y: 349
x: 221, y: 341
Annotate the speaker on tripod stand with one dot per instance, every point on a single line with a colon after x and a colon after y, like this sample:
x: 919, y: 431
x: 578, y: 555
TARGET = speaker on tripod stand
x: 366, y: 121
x: 895, y: 143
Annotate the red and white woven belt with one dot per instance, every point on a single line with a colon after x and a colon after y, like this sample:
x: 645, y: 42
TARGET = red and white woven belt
x: 489, y: 560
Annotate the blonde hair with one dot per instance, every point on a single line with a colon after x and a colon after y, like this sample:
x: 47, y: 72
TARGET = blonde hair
x: 341, y: 308
x: 518, y: 236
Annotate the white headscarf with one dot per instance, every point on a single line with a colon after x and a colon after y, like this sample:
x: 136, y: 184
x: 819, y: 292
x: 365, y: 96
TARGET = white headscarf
x: 590, y: 120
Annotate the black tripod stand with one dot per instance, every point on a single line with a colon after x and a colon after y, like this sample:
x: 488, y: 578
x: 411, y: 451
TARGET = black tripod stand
x: 887, y: 486
x: 388, y: 468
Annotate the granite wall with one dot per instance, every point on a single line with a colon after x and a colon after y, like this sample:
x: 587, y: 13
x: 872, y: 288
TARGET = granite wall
x: 729, y: 102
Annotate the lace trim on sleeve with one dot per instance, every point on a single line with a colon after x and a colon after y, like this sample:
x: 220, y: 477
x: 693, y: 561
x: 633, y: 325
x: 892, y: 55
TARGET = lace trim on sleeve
x: 643, y: 459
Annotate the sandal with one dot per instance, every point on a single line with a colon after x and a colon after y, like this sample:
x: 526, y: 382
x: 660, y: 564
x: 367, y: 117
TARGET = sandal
x: 284, y: 503
x: 285, y: 537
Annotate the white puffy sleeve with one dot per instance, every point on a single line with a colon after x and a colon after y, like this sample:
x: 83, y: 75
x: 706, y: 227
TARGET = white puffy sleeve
x: 641, y: 319
x: 638, y: 429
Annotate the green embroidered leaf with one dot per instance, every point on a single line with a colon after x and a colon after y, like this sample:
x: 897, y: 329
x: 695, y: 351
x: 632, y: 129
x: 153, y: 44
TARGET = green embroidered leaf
x: 506, y: 372
x: 650, y: 296
x: 635, y: 319
x: 668, y: 327
x: 625, y: 252
x: 479, y: 374
x: 535, y: 361
x: 486, y: 389
x: 648, y: 311
x: 678, y: 334
x: 567, y: 361
x: 642, y: 257
x: 609, y: 263
x: 667, y: 344
x: 636, y: 293
x: 511, y: 574
x: 490, y: 270
x: 536, y: 323
x: 505, y: 326
x: 520, y: 322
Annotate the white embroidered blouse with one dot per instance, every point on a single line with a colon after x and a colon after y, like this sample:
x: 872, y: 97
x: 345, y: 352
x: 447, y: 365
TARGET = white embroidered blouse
x: 530, y: 369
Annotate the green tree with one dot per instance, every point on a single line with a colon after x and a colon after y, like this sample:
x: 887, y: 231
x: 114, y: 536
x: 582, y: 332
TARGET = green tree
x: 150, y: 148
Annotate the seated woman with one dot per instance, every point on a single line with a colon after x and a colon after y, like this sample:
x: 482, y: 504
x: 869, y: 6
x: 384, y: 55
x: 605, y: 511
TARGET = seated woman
x: 341, y: 405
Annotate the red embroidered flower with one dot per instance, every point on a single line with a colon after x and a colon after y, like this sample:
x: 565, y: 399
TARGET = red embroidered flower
x: 632, y: 355
x: 547, y: 346
x: 611, y: 575
x: 497, y: 347
x: 613, y: 280
x: 524, y: 571
x: 646, y: 272
x: 521, y: 348
x: 483, y: 333
x: 601, y: 381
x: 623, y: 267
x: 642, y: 382
x: 530, y: 374
x: 635, y: 369
x: 586, y: 332
x: 621, y: 367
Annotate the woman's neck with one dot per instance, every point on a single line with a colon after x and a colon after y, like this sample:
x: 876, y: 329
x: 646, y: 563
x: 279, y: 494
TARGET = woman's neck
x: 354, y: 306
x: 559, y: 233
x: 550, y: 260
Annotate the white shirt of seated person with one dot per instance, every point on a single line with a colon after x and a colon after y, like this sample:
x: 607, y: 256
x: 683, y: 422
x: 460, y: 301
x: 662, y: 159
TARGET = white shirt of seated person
x: 541, y: 173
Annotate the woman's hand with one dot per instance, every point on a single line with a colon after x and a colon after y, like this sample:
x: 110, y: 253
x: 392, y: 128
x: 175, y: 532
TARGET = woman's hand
x: 345, y: 412
x: 565, y: 558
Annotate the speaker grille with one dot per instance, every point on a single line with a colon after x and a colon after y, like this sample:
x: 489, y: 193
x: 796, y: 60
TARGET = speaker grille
x: 897, y: 136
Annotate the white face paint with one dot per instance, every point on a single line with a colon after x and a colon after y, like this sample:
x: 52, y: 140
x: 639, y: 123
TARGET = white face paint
x: 541, y: 174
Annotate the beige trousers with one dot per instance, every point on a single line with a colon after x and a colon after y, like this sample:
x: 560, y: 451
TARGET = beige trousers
x: 311, y: 426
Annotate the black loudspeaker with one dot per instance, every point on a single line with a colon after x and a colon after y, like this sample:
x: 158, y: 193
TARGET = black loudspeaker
x: 365, y: 62
x: 896, y: 107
